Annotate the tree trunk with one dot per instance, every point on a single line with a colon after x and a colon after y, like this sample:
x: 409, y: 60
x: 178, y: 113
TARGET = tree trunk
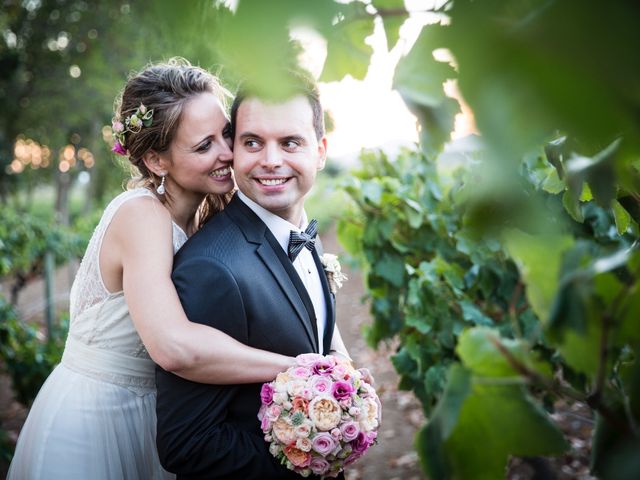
x: 63, y: 188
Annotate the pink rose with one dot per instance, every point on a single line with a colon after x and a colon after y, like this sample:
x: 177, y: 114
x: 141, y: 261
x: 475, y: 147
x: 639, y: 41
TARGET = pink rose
x: 266, y: 394
x: 301, y: 372
x: 337, y: 434
x: 340, y: 371
x: 324, y: 366
x: 308, y: 359
x: 303, y: 431
x: 265, y: 424
x: 350, y: 431
x: 319, y: 466
x: 273, y: 412
x: 361, y: 443
x: 342, y: 390
x: 321, y: 385
x: 366, y: 376
x: 323, y: 443
x: 118, y: 148
x: 351, y: 458
x: 117, y: 127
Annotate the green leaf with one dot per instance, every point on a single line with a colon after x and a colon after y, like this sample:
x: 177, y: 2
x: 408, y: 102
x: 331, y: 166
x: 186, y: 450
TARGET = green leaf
x: 478, y: 351
x: 621, y: 216
x: 506, y: 422
x: 471, y: 313
x: 615, y: 453
x: 392, y: 18
x: 578, y: 349
x: 586, y: 195
x: 627, y: 325
x: 430, y: 439
x: 350, y: 236
x: 347, y: 52
x: 539, y: 259
x: 572, y: 206
x: 419, y: 79
x: 391, y: 268
x: 553, y: 184
x: 256, y: 39
x: 598, y: 172
x: 419, y: 323
x: 372, y: 191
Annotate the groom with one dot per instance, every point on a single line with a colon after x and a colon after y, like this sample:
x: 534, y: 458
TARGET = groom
x: 241, y: 274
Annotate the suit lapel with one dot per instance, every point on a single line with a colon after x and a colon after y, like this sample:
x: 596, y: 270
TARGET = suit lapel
x: 300, y: 289
x: 329, y: 300
x: 275, y: 259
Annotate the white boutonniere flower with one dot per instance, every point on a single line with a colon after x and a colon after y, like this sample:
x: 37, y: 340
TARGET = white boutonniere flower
x: 332, y: 269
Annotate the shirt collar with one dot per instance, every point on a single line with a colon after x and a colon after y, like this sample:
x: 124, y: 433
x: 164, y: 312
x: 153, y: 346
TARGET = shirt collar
x: 279, y: 227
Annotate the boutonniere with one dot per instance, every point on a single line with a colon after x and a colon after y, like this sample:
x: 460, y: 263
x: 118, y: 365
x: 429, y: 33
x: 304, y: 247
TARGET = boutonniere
x: 333, y: 271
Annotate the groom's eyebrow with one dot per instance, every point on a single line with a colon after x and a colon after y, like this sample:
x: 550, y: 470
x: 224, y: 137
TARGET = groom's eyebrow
x: 248, y: 135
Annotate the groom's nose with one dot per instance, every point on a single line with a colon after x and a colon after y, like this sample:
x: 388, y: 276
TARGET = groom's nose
x: 272, y: 156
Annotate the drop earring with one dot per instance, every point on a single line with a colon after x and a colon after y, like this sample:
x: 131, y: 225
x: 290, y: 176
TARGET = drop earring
x: 161, y: 190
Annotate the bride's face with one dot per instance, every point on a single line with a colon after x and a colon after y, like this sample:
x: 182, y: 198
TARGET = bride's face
x: 199, y: 158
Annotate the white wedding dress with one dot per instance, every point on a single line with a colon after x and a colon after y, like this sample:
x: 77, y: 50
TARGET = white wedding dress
x: 94, y: 418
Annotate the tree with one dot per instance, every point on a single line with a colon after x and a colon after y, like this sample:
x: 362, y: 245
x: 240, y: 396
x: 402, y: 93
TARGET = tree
x: 64, y: 62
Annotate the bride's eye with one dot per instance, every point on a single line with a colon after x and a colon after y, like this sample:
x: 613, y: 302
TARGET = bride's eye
x: 204, y: 146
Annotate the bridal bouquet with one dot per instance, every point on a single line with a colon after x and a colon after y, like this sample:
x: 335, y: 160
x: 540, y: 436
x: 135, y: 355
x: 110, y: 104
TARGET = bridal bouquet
x: 319, y: 416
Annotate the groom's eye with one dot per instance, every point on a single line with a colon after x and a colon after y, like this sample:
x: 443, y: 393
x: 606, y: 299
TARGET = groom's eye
x: 251, y: 144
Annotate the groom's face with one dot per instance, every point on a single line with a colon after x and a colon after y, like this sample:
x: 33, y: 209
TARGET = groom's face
x: 277, y: 154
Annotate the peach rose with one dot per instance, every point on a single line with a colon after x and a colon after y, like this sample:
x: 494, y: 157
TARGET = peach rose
x: 297, y: 457
x: 325, y: 413
x: 300, y: 405
x: 284, y: 432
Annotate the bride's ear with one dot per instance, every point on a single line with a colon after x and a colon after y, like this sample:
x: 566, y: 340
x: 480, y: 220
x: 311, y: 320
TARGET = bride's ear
x: 155, y: 163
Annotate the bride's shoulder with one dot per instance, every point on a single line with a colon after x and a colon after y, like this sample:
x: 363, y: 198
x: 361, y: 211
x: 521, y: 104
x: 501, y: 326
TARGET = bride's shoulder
x: 141, y: 214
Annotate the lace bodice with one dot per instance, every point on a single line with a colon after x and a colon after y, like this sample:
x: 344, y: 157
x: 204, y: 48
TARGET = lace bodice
x: 98, y: 317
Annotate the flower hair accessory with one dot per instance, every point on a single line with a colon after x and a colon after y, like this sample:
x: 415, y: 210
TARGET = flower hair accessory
x: 142, y: 117
x: 332, y: 269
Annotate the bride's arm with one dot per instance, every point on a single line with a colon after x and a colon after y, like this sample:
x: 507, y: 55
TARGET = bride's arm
x: 141, y: 231
x: 337, y: 345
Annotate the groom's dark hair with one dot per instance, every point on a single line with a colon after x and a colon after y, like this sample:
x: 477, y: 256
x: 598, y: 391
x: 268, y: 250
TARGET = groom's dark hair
x: 299, y: 82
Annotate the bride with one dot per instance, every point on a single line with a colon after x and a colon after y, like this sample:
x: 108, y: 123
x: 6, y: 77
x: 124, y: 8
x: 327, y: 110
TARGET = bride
x: 94, y: 417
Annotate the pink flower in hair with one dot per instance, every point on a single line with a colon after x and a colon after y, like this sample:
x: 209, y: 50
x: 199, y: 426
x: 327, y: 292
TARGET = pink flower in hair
x: 118, y: 148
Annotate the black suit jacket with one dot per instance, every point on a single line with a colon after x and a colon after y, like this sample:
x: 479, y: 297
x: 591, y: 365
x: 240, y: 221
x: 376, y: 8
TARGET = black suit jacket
x: 234, y: 276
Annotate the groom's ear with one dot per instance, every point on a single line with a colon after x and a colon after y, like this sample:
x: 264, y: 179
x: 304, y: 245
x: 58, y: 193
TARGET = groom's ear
x: 155, y: 163
x: 322, y: 152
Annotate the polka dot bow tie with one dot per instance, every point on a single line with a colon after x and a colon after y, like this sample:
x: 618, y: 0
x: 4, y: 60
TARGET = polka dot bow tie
x: 300, y: 240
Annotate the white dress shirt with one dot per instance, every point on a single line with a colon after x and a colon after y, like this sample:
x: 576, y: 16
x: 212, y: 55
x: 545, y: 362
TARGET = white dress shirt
x: 303, y: 263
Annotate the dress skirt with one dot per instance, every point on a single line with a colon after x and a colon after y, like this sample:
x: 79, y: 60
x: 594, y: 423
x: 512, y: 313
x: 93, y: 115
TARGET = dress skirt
x: 82, y: 428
